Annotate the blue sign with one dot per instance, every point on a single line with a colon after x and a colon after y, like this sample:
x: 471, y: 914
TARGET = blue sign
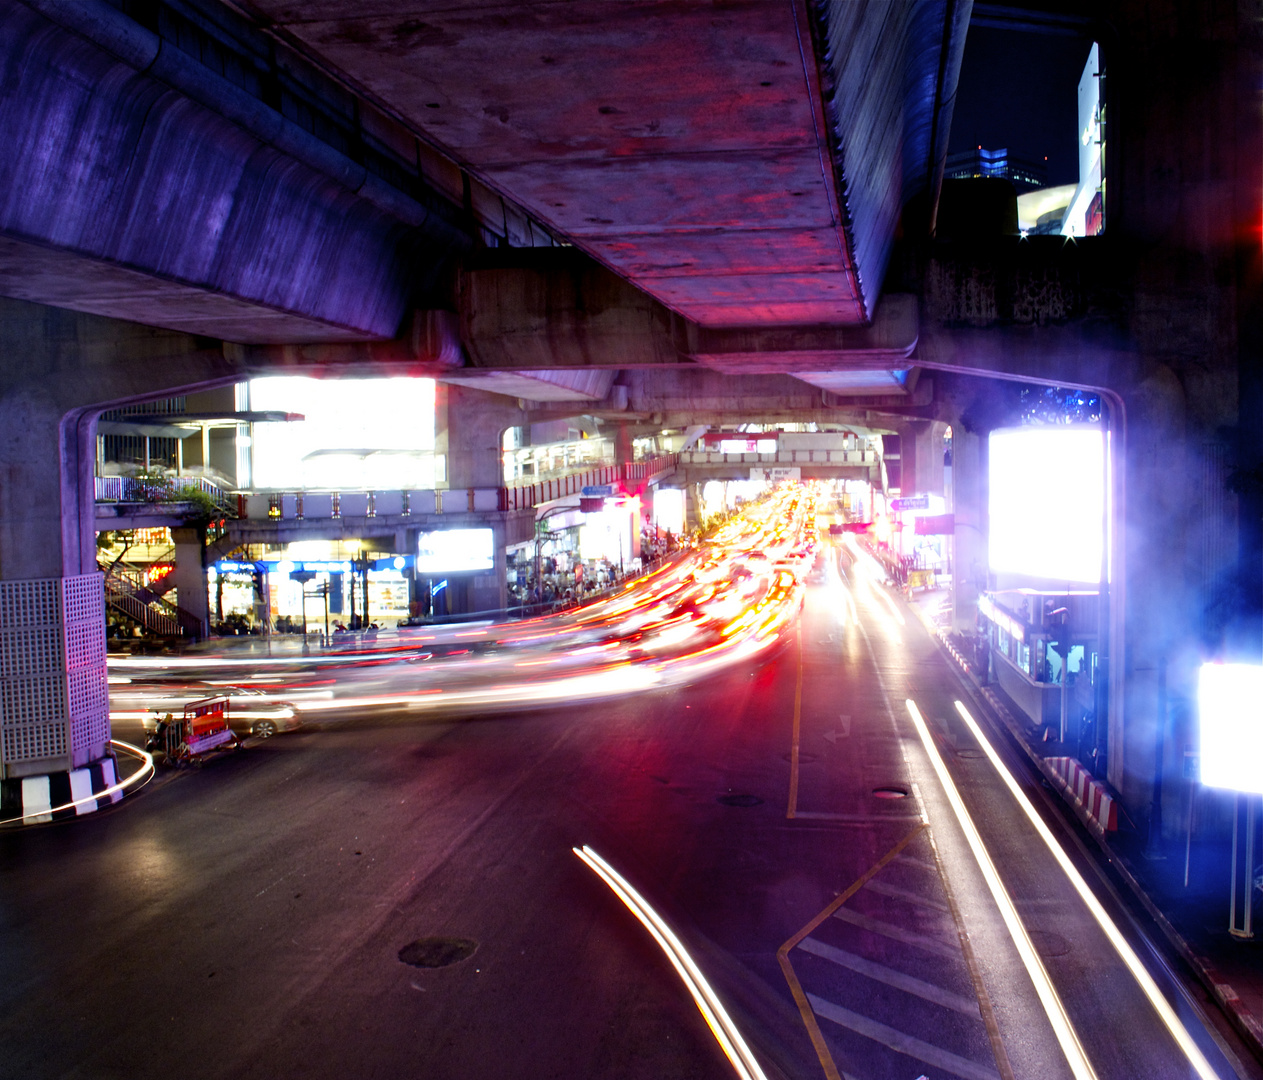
x: 597, y: 491
x: 912, y: 502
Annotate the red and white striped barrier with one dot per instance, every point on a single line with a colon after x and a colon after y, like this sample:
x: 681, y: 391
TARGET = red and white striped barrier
x: 1088, y: 792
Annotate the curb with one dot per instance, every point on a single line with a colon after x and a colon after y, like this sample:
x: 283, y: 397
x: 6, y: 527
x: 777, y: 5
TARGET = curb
x: 57, y: 796
x: 1246, y: 1024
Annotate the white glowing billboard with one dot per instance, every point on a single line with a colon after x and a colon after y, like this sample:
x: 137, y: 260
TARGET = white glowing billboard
x: 668, y: 509
x: 453, y: 551
x: 1047, y: 502
x: 358, y: 434
x: 1230, y: 707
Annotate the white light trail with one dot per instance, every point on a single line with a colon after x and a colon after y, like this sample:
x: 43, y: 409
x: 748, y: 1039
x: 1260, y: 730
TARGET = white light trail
x: 1073, y: 1050
x: 1173, y: 1024
x: 720, y: 1023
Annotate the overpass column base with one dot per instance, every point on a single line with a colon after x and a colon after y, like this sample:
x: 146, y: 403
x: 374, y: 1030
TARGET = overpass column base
x: 54, y: 707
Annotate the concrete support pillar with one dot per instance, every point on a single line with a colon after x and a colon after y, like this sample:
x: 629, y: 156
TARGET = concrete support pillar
x: 54, y: 708
x: 623, y: 451
x: 189, y: 575
x: 969, y: 541
x: 469, y: 432
x: 1157, y: 542
x: 928, y: 441
x: 921, y: 457
x: 55, y: 366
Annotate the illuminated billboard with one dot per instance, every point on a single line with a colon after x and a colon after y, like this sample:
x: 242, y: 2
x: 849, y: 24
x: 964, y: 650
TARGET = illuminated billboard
x: 357, y: 434
x: 1230, y: 707
x: 1047, y: 503
x: 453, y: 551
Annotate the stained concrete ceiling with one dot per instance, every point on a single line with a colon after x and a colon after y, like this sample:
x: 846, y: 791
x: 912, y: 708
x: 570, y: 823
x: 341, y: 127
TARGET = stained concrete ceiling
x: 683, y: 144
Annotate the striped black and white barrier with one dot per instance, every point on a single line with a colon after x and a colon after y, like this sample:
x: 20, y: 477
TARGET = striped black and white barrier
x: 32, y: 799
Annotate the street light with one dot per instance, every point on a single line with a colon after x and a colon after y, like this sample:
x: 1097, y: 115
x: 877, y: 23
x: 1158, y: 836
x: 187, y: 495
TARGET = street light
x: 302, y: 577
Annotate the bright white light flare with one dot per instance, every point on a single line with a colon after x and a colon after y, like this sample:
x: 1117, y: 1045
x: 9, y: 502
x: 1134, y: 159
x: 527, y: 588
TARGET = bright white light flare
x: 1047, y: 502
x: 1230, y: 708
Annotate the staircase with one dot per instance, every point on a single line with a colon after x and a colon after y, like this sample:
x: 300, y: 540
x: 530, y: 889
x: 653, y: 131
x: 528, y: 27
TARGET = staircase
x: 126, y: 593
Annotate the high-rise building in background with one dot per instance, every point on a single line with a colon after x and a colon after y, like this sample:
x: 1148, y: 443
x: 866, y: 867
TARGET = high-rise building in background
x: 1024, y: 173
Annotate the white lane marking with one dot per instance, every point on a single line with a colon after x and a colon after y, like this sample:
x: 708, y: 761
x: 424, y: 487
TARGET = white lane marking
x: 1139, y: 972
x: 721, y: 1025
x: 901, y: 1041
x: 1073, y: 1050
x: 897, y: 933
x: 896, y: 893
x: 882, y: 974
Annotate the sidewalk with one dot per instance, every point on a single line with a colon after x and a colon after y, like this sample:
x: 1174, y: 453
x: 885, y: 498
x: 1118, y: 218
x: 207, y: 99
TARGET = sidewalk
x: 1194, y: 916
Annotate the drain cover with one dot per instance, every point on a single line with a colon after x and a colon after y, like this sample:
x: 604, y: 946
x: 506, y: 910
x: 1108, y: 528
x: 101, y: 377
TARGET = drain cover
x: 739, y: 800
x: 890, y: 793
x: 437, y: 952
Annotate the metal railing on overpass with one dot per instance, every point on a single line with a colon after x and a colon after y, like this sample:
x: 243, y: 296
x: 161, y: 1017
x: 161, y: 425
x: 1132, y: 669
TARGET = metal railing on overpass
x: 151, y: 490
x: 781, y: 457
x: 335, y: 505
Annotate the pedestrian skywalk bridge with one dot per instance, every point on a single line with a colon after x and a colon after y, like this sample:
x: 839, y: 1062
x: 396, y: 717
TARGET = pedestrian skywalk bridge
x: 884, y: 982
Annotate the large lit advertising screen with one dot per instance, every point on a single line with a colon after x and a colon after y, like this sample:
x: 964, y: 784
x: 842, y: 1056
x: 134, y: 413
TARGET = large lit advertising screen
x: 1047, y: 503
x: 453, y: 551
x: 357, y: 434
x: 1230, y: 704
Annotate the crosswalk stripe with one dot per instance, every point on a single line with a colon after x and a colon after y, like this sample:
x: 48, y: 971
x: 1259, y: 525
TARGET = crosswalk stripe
x: 897, y: 979
x: 920, y: 941
x: 896, y: 893
x: 901, y: 1041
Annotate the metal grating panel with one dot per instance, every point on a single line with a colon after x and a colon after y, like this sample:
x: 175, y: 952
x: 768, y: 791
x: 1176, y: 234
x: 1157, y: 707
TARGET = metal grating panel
x: 84, y: 644
x: 83, y: 599
x: 30, y: 603
x: 52, y: 668
x: 90, y: 731
x: 33, y: 700
x: 87, y: 693
x: 31, y: 742
x: 37, y: 650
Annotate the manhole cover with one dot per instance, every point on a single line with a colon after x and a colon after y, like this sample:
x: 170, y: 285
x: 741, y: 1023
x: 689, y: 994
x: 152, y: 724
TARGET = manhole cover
x: 890, y: 793
x: 739, y: 800
x: 437, y: 952
x: 1049, y: 944
x: 970, y: 753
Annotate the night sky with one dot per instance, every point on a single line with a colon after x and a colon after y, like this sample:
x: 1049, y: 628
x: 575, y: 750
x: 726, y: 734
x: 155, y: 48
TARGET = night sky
x: 1020, y: 90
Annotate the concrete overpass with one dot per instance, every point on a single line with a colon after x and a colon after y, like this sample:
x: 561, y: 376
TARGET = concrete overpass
x: 657, y: 213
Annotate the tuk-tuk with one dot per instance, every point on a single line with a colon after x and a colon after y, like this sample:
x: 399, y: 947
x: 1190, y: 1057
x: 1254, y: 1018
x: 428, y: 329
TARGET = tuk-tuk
x: 202, y: 729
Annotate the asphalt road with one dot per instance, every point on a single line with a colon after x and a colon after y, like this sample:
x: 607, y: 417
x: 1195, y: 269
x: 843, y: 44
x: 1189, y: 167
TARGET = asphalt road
x: 247, y: 919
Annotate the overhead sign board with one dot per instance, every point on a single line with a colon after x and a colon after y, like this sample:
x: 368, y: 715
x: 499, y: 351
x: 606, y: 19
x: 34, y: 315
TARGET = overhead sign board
x: 911, y: 502
x: 938, y: 525
x: 597, y: 491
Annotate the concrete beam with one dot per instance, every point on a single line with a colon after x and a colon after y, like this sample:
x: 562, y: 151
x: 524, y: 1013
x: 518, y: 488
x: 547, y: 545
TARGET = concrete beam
x: 133, y: 192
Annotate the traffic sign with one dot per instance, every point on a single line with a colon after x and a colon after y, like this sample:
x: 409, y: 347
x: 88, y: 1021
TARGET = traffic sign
x: 912, y: 502
x: 597, y: 491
